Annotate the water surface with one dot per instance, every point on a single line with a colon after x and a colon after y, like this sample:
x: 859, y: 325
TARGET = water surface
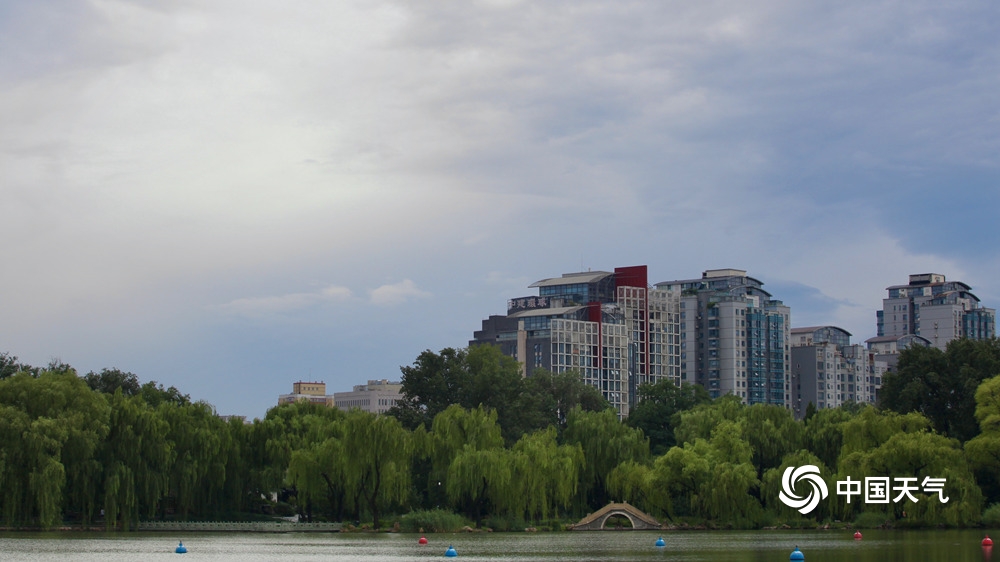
x: 714, y: 546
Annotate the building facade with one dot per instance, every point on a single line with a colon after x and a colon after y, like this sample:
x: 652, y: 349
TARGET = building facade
x: 829, y: 371
x: 376, y: 397
x: 722, y: 331
x: 314, y: 392
x: 612, y: 327
x: 734, y: 337
x: 936, y: 309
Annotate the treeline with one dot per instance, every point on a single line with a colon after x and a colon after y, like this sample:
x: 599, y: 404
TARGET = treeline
x: 472, y: 437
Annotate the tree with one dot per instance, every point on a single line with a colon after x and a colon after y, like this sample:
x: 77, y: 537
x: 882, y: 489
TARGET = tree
x: 606, y: 443
x: 942, y: 384
x: 154, y: 394
x: 557, y: 394
x: 632, y: 482
x: 110, y: 380
x: 318, y: 470
x: 200, y: 447
x: 50, y: 427
x: 545, y: 474
x: 917, y: 455
x: 135, y: 459
x: 379, y: 450
x: 983, y: 451
x: 434, y: 382
x: 454, y: 431
x: 656, y: 414
x: 711, y: 478
x: 494, y: 382
x: 9, y: 366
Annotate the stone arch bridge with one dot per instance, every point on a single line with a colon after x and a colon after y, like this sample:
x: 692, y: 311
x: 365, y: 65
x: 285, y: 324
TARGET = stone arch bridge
x: 596, y: 520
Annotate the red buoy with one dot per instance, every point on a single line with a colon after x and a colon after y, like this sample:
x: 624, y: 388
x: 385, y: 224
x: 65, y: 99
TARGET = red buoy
x: 857, y: 535
x: 423, y: 540
x: 987, y: 541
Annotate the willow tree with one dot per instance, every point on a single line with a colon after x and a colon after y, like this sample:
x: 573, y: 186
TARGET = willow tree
x: 454, y: 430
x: 772, y: 433
x: 50, y: 425
x: 771, y: 488
x: 479, y: 479
x: 199, y: 441
x: 983, y: 451
x: 379, y: 451
x: 714, y: 479
x: 701, y: 421
x: 318, y: 471
x: 545, y: 475
x: 632, y: 482
x: 606, y: 443
x: 285, y: 429
x: 135, y: 458
x: 918, y: 456
x: 824, y: 434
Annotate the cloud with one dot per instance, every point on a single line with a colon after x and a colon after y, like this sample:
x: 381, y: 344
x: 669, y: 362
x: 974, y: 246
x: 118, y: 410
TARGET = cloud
x: 396, y: 293
x: 284, y: 304
x: 154, y: 152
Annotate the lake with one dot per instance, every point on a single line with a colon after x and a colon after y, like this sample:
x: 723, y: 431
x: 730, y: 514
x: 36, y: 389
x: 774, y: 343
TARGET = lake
x: 714, y: 546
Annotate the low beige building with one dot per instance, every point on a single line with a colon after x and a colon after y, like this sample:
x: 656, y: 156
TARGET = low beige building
x: 375, y: 397
x: 314, y: 392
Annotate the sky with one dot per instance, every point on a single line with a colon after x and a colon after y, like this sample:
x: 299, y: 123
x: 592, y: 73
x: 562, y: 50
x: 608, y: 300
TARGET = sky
x: 232, y: 196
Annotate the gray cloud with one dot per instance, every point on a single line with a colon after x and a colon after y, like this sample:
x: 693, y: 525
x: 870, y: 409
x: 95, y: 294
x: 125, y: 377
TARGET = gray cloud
x: 157, y: 159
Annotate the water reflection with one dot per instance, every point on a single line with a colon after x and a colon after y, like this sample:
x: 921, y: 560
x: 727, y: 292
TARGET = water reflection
x: 714, y: 546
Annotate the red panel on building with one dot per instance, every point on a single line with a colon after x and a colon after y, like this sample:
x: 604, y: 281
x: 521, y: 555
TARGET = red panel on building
x: 594, y: 312
x: 633, y: 276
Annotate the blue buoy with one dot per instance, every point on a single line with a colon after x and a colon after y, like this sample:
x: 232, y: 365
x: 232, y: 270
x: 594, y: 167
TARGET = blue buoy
x: 661, y: 542
x: 797, y: 555
x: 450, y: 552
x: 181, y: 549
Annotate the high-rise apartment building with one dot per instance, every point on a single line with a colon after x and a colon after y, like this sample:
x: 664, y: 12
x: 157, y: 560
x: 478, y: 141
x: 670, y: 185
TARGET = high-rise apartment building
x: 829, y: 371
x: 722, y: 331
x: 611, y: 327
x: 734, y: 337
x: 936, y: 309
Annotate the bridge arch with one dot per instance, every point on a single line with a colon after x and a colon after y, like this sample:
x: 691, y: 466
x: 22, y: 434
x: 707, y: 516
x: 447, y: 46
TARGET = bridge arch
x: 596, y: 520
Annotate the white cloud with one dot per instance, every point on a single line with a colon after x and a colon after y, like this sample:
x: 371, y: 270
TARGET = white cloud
x: 288, y: 303
x: 396, y: 293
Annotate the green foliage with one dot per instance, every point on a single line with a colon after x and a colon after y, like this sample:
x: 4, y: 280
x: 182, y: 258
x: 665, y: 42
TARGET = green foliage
x: 379, y: 451
x: 988, y: 405
x: 632, y: 482
x: 983, y: 451
x: 482, y: 376
x: 606, y: 443
x: 658, y: 410
x: 991, y: 517
x: 72, y: 446
x: 432, y: 521
x: 545, y: 475
x: 942, y: 384
x: 771, y: 487
x: 109, y: 381
x: 712, y: 479
x: 871, y: 520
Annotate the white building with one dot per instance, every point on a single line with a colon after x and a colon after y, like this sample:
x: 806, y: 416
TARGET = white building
x: 828, y: 371
x: 936, y: 309
x: 376, y: 397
